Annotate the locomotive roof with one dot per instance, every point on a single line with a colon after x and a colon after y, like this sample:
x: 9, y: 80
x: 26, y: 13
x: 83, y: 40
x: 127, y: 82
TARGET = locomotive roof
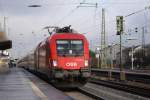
x: 62, y: 36
x: 67, y: 35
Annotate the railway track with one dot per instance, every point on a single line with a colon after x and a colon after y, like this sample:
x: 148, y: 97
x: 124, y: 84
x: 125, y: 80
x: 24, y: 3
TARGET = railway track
x: 82, y: 93
x: 77, y: 95
x: 137, y: 76
x: 89, y: 92
x: 123, y: 86
x: 85, y: 91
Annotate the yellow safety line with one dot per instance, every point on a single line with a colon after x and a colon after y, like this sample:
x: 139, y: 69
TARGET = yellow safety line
x: 38, y: 92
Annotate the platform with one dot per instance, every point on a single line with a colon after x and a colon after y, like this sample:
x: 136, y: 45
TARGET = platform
x: 18, y: 84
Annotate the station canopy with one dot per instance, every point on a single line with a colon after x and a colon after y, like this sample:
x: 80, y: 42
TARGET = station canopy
x: 7, y: 44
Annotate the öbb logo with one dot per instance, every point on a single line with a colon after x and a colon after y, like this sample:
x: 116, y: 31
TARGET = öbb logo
x: 72, y: 64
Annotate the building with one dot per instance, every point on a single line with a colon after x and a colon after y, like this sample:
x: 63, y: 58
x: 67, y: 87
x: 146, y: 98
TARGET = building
x: 111, y: 55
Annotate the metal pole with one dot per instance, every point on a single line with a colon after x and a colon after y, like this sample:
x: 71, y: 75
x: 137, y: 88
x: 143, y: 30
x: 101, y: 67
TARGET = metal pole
x: 103, y: 41
x: 98, y: 62
x: 122, y: 74
x: 132, y: 55
x: 111, y: 56
x: 143, y: 43
x: 120, y: 52
x: 132, y: 58
x: 111, y: 63
x: 5, y: 25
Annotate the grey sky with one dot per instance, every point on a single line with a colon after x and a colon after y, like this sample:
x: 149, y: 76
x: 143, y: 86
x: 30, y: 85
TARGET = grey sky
x: 25, y: 24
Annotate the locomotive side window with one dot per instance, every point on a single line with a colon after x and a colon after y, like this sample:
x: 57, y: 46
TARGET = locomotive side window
x: 69, y: 47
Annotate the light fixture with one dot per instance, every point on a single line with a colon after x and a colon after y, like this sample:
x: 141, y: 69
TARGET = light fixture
x: 34, y: 6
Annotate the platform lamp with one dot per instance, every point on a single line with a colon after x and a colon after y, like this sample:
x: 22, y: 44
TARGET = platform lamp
x: 34, y: 6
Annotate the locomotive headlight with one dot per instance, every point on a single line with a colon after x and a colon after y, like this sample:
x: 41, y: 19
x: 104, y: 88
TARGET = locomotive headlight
x: 86, y: 63
x: 54, y: 63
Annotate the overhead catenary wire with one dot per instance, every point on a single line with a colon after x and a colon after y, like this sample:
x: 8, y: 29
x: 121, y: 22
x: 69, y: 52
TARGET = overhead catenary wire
x: 63, y: 18
x: 69, y: 14
x: 80, y: 5
x: 83, y: 22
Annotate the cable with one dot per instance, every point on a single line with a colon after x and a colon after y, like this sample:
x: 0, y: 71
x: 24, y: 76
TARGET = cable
x: 124, y: 3
x: 72, y: 11
x: 63, y: 18
x: 134, y: 13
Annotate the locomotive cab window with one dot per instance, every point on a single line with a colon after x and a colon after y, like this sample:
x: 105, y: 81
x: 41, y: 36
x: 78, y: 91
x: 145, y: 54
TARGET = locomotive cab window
x: 69, y: 47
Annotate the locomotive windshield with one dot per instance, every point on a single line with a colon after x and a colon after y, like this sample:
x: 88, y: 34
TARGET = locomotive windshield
x: 69, y: 47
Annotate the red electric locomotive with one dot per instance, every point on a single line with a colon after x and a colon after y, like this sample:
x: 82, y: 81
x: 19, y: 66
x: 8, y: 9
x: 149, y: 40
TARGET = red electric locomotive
x: 63, y: 57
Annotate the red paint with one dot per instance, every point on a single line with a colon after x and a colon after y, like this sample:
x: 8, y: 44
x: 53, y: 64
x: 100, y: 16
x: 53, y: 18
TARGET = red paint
x: 63, y: 60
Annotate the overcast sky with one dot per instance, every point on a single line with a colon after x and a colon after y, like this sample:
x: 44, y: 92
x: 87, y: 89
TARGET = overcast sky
x: 24, y: 24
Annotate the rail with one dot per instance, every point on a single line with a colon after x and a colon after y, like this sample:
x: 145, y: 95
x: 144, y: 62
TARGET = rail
x: 138, y: 90
x: 85, y: 91
x: 130, y: 75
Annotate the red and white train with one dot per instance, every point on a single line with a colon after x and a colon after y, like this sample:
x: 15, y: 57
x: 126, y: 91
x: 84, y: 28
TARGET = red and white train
x: 63, y: 56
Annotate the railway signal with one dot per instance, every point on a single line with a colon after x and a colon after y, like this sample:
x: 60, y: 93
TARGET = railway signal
x: 119, y: 22
x: 136, y: 29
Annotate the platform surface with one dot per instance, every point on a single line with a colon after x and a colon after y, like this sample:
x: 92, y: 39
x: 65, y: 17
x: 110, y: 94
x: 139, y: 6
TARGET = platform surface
x: 18, y: 84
